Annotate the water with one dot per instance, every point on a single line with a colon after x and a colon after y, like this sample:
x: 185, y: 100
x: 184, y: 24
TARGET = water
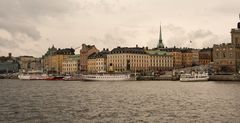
x: 141, y: 101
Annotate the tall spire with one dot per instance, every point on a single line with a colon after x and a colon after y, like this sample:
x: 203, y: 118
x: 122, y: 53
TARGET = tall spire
x: 238, y: 25
x: 160, y: 43
x: 160, y: 35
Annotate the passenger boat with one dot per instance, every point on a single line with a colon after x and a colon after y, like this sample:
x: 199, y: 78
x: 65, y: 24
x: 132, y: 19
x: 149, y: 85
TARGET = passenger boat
x: 194, y: 77
x: 72, y: 78
x: 106, y: 77
x: 33, y: 75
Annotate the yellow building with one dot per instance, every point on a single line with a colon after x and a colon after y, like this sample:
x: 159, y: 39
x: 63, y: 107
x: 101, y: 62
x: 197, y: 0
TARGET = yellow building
x: 138, y: 59
x: 127, y: 59
x: 53, y: 59
x: 97, y: 62
x: 71, y: 65
x: 160, y: 60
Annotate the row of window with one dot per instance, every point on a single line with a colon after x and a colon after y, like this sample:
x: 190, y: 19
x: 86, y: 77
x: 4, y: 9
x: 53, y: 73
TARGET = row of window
x: 70, y: 69
x: 70, y: 65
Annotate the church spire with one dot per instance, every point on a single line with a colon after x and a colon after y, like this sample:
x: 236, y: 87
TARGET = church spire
x: 160, y: 35
x: 160, y: 43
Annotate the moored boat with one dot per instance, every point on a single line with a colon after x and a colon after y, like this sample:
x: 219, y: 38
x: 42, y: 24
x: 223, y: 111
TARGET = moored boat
x: 33, y: 75
x: 106, y: 77
x: 194, y: 77
x: 72, y: 78
x: 55, y: 78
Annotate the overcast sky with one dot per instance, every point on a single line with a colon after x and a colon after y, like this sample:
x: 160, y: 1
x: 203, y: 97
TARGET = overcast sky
x: 29, y: 27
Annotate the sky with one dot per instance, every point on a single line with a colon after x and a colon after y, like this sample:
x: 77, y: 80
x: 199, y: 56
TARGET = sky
x: 30, y: 27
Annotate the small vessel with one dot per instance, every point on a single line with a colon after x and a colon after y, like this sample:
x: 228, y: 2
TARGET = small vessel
x: 106, y: 77
x: 33, y: 75
x: 55, y: 78
x: 194, y: 77
x: 72, y: 78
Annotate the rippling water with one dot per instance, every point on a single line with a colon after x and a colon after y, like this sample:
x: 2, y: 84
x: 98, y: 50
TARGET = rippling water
x: 140, y: 101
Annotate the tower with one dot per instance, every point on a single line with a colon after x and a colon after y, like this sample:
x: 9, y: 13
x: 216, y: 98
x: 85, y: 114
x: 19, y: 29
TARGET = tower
x: 160, y: 43
x: 235, y: 35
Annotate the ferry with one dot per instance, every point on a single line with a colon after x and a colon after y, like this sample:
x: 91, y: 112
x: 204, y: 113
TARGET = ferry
x: 194, y: 77
x: 33, y: 75
x: 106, y: 77
x: 72, y: 78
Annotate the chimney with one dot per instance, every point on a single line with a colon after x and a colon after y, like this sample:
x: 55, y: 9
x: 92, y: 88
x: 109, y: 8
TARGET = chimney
x: 136, y: 46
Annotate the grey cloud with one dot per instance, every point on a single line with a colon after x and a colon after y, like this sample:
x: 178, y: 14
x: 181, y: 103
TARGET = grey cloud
x: 108, y: 41
x: 229, y: 7
x: 22, y: 17
x: 6, y: 43
x: 178, y: 36
x: 15, y: 28
x: 199, y: 34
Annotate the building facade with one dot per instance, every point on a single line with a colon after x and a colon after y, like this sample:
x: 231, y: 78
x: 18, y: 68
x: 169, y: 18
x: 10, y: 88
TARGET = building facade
x: 177, y: 56
x: 159, y: 60
x: 97, y: 62
x: 71, y: 64
x: 8, y: 64
x: 85, y: 52
x: 226, y: 57
x: 25, y: 62
x: 53, y: 59
x: 205, y: 56
x: 187, y: 58
x: 123, y: 59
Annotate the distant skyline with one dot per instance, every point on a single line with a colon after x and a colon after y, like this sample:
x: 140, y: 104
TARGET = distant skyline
x: 30, y: 27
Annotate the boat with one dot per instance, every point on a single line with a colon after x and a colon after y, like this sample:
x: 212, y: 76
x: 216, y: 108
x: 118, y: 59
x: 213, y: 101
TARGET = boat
x: 106, y: 77
x: 72, y: 78
x: 33, y: 75
x: 194, y: 77
x: 55, y: 78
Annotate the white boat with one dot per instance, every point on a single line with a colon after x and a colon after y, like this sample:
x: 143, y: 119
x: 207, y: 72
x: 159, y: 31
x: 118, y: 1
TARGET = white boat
x: 106, y: 77
x: 33, y: 75
x: 194, y: 77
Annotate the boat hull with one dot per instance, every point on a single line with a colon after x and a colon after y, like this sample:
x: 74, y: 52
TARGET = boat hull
x: 106, y: 77
x: 193, y: 79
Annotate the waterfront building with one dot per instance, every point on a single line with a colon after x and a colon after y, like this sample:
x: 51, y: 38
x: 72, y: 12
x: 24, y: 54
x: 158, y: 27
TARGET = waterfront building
x: 47, y: 59
x: 71, y: 64
x: 187, y: 57
x: 8, y: 64
x: 53, y: 59
x: 36, y: 65
x: 97, y: 62
x: 123, y: 59
x: 226, y: 56
x: 195, y: 57
x: 205, y: 56
x: 24, y: 62
x: 177, y: 56
x: 159, y: 60
x: 85, y: 52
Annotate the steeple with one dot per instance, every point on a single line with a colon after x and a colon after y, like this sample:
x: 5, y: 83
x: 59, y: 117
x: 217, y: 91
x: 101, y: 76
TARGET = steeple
x: 160, y: 43
x: 238, y: 26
